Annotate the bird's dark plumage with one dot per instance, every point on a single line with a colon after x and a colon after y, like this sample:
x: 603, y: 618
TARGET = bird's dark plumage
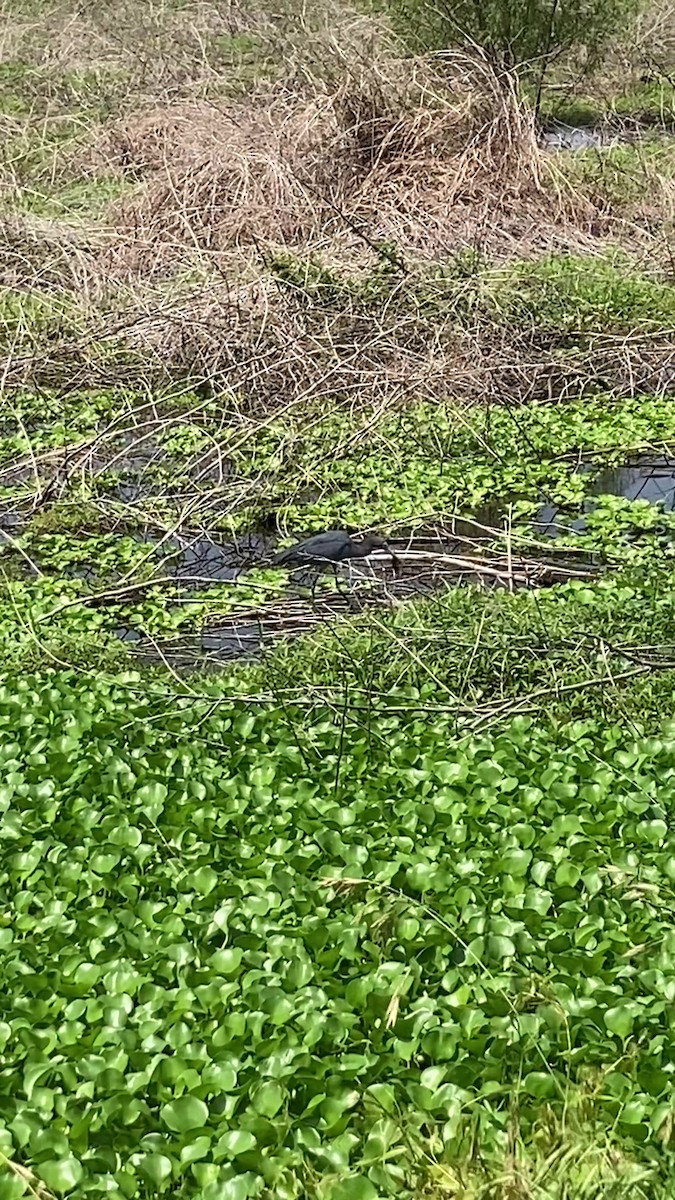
x: 334, y: 546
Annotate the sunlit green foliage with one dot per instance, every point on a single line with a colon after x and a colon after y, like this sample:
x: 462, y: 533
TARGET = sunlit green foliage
x: 572, y: 295
x: 427, y: 459
x: 649, y: 100
x: 191, y: 1006
x: 517, y: 36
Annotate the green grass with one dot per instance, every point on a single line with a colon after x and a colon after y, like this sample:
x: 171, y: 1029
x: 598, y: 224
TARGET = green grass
x: 28, y: 315
x: 626, y: 176
x: 36, y: 90
x: 562, y: 293
x: 650, y: 102
x: 90, y: 198
x: 576, y: 110
x: 577, y: 295
x: 480, y: 650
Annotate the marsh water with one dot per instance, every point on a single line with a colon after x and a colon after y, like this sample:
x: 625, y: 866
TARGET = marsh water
x: 558, y: 136
x: 458, y: 549
x: 647, y: 477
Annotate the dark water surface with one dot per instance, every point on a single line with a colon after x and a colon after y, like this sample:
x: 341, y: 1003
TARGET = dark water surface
x: 648, y: 477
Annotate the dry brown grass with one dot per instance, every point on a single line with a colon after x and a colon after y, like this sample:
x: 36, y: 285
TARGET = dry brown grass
x: 263, y: 349
x: 416, y: 153
x: 431, y: 155
x: 350, y: 147
x: 351, y: 152
x: 43, y: 254
x: 654, y: 45
x: 162, y: 47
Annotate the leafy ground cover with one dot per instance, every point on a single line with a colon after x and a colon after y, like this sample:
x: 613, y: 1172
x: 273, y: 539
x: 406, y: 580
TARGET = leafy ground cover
x: 650, y: 100
x: 427, y: 939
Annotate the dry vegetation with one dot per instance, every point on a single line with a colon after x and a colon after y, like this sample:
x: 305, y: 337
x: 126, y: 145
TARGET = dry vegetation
x: 336, y: 148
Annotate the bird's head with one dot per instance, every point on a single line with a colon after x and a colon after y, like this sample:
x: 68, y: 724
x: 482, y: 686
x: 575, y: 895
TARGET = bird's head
x: 373, y: 542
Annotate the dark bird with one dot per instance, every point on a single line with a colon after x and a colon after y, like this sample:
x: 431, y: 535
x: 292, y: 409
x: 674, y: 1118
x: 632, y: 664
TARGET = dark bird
x: 330, y: 548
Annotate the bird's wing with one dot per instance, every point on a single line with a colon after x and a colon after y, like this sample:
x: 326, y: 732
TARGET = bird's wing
x: 328, y: 544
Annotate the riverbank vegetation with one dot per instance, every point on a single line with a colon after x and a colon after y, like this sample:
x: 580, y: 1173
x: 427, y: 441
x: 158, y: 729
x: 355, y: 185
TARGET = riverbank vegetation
x: 316, y: 890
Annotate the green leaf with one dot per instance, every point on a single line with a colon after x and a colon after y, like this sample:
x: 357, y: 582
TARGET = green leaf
x: 156, y: 1167
x: 433, y: 1077
x: 237, y: 1187
x: 185, y: 1114
x: 632, y: 1113
x: 619, y: 1020
x: 11, y: 1187
x: 268, y: 1099
x: 567, y: 874
x: 204, y: 880
x: 151, y: 798
x: 226, y: 962
x: 195, y: 1150
x: 541, y: 1084
x: 61, y: 1175
x: 236, y: 1142
x: 499, y: 946
x: 450, y: 772
x: 353, y: 1187
x: 219, y: 1077
x: 516, y: 862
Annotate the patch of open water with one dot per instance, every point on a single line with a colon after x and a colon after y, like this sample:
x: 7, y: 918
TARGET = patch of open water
x: 207, y: 650
x: 648, y: 477
x: 559, y: 136
x: 202, y: 559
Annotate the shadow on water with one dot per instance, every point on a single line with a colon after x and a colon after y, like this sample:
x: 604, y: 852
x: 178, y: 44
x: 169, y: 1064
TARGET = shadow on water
x: 199, y: 562
x: 11, y: 521
x: 648, y: 477
x: 207, y: 650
